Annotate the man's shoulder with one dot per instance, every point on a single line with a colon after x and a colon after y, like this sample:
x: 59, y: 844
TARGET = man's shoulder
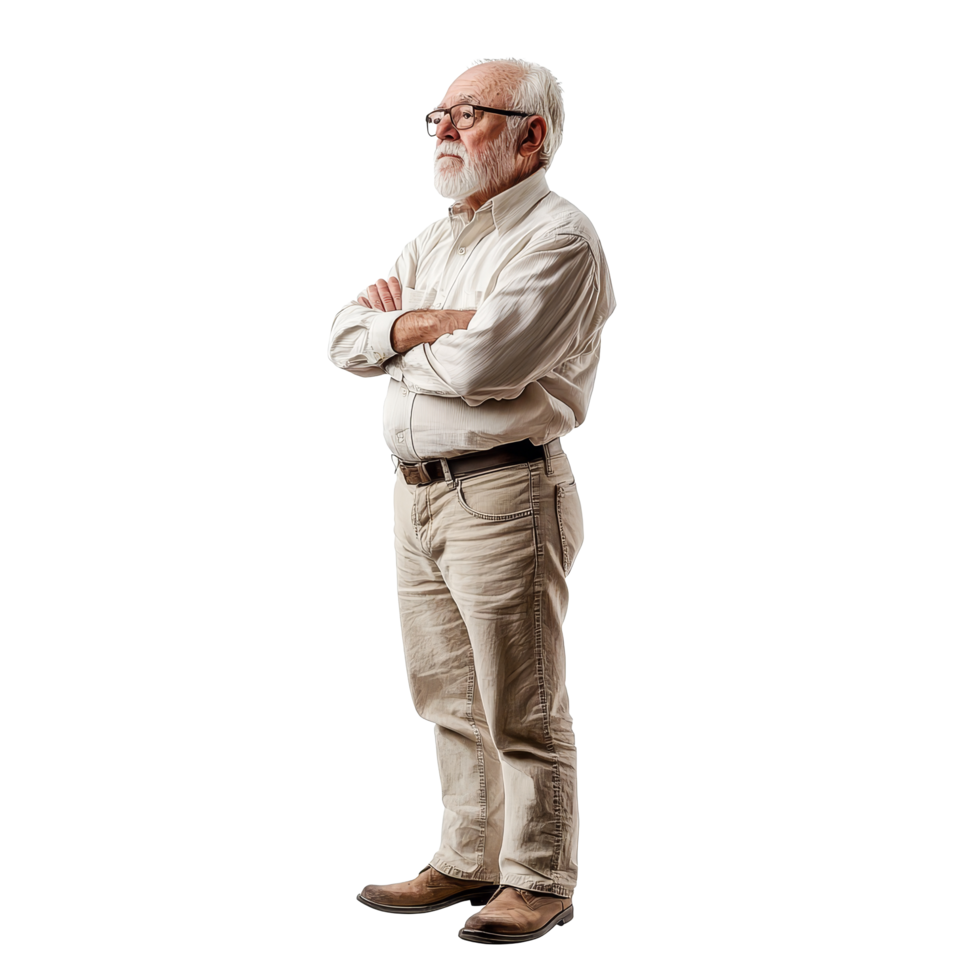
x: 556, y: 221
x: 557, y: 217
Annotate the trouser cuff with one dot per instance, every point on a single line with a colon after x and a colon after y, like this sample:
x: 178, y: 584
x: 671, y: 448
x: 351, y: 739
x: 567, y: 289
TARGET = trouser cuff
x: 536, y: 885
x: 481, y: 874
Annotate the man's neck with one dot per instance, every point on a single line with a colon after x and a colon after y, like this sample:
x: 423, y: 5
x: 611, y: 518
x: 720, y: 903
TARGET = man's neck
x: 477, y: 200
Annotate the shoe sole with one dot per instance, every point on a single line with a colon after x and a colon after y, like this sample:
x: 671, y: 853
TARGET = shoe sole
x: 480, y: 936
x: 478, y: 896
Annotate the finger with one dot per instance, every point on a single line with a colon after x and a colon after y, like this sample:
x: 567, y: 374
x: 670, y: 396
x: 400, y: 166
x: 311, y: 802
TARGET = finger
x: 396, y: 292
x: 363, y: 301
x: 375, y: 298
x: 385, y: 294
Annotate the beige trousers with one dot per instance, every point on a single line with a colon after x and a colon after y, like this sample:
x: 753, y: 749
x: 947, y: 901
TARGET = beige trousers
x: 481, y: 589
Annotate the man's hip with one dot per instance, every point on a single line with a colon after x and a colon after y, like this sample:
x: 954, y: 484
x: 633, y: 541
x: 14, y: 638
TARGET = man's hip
x: 484, y: 503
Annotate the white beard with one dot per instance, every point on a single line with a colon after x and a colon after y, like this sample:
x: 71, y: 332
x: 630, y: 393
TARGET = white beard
x: 492, y: 169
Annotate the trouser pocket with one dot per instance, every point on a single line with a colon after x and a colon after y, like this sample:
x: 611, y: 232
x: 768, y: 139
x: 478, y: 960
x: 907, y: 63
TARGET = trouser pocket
x: 570, y: 526
x: 500, y: 495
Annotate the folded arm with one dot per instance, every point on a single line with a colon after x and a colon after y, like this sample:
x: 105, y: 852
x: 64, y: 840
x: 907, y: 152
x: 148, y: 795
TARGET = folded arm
x: 541, y: 308
x: 360, y: 338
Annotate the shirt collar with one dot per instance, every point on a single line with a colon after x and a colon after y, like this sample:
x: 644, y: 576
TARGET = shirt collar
x: 509, y: 206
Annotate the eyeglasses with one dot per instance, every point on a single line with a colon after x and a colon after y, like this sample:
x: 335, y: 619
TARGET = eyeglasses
x: 463, y: 115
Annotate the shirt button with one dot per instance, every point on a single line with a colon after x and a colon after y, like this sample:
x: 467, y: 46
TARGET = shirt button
x: 461, y: 250
x: 401, y: 437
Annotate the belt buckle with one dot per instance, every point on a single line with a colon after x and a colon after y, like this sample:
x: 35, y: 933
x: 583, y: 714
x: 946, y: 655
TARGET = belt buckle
x: 416, y: 474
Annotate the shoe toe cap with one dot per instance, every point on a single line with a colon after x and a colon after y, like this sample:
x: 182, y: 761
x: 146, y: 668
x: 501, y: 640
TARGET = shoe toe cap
x: 493, y: 923
x: 374, y: 893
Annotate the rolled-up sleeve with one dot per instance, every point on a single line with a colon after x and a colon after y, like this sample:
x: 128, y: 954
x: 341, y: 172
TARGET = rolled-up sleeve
x: 541, y: 311
x: 360, y: 338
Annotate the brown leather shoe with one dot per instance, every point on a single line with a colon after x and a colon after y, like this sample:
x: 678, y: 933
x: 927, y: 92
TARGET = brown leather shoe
x: 431, y: 890
x: 514, y: 915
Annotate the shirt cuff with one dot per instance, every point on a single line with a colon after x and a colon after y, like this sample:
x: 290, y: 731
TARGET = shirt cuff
x: 379, y: 337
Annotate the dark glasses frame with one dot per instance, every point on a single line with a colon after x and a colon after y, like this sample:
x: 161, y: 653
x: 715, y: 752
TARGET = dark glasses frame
x: 469, y: 105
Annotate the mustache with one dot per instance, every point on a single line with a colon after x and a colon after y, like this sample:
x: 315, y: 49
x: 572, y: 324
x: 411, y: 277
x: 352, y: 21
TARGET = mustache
x: 451, y: 150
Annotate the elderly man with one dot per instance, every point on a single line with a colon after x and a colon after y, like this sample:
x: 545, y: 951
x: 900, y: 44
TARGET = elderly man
x: 488, y: 330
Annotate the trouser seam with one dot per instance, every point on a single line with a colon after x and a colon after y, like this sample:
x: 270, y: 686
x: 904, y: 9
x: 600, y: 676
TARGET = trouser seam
x: 542, y: 688
x: 481, y: 766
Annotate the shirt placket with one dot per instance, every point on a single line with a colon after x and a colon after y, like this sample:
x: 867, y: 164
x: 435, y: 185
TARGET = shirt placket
x: 462, y: 248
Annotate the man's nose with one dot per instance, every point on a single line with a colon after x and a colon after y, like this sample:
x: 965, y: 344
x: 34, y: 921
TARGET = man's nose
x: 446, y: 130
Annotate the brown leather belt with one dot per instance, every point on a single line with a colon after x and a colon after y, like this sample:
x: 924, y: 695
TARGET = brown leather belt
x: 430, y: 470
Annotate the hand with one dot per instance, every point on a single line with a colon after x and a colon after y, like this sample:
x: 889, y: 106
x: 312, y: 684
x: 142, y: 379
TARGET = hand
x: 383, y: 296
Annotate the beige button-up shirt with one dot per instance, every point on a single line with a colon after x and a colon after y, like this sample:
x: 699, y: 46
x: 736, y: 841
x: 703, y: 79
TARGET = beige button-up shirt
x: 532, y: 267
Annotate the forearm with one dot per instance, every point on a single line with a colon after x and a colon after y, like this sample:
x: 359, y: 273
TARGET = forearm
x: 426, y: 327
x: 411, y: 329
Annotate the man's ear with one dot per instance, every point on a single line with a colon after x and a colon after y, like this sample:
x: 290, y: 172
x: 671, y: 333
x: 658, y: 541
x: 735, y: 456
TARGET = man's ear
x: 533, y: 140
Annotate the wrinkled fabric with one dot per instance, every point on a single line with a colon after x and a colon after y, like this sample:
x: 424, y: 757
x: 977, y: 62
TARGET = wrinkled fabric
x: 481, y: 568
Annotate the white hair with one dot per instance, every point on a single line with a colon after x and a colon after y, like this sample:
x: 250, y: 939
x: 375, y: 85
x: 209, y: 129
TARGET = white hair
x: 538, y: 93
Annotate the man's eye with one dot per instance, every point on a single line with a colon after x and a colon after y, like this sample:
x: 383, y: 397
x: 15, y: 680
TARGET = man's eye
x: 466, y: 113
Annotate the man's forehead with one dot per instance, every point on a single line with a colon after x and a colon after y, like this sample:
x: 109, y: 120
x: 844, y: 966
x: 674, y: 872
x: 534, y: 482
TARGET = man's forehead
x: 464, y: 97
x: 482, y: 85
